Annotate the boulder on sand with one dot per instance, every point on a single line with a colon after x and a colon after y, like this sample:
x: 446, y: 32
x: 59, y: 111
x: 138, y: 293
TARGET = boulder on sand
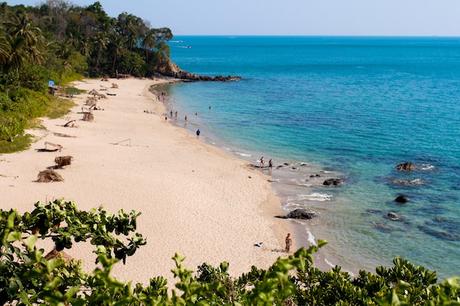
x: 49, y: 175
x: 300, y: 214
x: 62, y: 161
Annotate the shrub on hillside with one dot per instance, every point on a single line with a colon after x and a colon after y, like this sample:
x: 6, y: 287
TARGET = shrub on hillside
x: 11, y: 125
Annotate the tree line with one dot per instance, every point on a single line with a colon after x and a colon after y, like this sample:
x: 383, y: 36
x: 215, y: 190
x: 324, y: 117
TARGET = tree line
x: 62, y: 42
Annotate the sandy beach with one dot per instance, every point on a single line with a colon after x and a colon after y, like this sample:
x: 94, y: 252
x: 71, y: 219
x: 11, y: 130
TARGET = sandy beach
x: 195, y: 199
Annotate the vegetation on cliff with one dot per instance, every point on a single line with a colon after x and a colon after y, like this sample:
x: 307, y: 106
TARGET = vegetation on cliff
x: 29, y: 277
x: 62, y: 42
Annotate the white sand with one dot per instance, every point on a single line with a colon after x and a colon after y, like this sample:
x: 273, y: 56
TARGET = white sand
x: 194, y: 198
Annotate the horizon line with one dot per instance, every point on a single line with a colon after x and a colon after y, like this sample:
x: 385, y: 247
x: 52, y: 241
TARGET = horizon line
x: 323, y: 35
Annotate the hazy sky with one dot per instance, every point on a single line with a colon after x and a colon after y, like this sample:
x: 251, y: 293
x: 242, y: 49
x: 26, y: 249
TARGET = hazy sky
x: 293, y: 17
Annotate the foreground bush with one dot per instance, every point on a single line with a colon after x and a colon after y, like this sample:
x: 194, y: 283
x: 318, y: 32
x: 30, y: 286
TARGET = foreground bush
x: 27, y: 277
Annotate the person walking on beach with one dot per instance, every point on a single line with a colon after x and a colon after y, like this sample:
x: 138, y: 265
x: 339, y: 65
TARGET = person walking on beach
x: 270, y: 164
x: 170, y: 114
x: 175, y: 115
x: 198, y: 132
x: 262, y: 163
x: 185, y: 118
x: 288, y: 243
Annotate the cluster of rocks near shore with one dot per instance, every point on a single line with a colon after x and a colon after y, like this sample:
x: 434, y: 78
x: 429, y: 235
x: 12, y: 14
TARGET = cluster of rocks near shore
x: 317, y: 179
x: 170, y: 69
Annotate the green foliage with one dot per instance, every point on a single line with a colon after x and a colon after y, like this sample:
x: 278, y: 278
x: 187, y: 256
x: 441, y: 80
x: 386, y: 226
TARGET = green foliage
x: 62, y: 42
x: 132, y: 63
x: 11, y: 126
x: 57, y: 107
x: 27, y: 277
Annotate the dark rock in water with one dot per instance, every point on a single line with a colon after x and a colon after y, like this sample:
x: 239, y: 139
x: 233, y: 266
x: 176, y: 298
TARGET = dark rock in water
x: 293, y: 168
x: 407, y: 166
x: 412, y: 182
x: 315, y: 175
x: 303, y: 164
x: 300, y: 214
x: 279, y: 167
x: 333, y: 182
x: 393, y: 216
x: 402, y: 199
x: 286, y: 164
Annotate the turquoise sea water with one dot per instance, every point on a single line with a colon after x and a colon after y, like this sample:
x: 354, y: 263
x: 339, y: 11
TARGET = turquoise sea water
x: 357, y: 106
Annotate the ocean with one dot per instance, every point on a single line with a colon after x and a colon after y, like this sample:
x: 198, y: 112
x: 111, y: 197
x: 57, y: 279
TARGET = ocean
x: 348, y: 107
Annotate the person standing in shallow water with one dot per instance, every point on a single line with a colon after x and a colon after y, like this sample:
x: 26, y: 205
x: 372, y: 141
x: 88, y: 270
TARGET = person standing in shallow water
x: 262, y: 162
x: 198, y: 132
x: 288, y: 243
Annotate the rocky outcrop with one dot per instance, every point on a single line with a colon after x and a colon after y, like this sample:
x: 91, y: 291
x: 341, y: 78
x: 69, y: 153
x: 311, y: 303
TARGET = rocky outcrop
x: 303, y: 214
x: 393, y: 216
x: 333, y: 182
x: 407, y: 166
x: 402, y: 199
x: 172, y: 70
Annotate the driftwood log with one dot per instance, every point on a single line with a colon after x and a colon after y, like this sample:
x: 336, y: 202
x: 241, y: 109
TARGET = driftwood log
x: 62, y: 161
x: 63, y: 135
x: 47, y: 176
x: 71, y: 123
x: 52, y: 147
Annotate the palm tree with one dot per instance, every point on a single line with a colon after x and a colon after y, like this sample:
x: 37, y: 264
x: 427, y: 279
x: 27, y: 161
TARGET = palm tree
x: 4, y: 49
x: 116, y: 47
x: 100, y: 43
x: 26, y: 41
x: 149, y: 42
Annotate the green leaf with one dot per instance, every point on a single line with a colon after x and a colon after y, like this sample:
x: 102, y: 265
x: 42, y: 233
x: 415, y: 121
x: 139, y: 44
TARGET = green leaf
x: 13, y: 236
x: 30, y: 242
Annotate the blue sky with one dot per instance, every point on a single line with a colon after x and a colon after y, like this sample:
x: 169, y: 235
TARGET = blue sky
x: 293, y: 17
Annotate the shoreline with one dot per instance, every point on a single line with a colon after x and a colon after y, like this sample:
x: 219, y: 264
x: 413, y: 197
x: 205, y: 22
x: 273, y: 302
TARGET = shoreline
x: 228, y: 207
x: 302, y: 237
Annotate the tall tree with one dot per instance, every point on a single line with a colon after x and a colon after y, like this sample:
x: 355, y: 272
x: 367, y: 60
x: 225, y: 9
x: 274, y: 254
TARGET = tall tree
x: 4, y: 49
x: 26, y: 41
